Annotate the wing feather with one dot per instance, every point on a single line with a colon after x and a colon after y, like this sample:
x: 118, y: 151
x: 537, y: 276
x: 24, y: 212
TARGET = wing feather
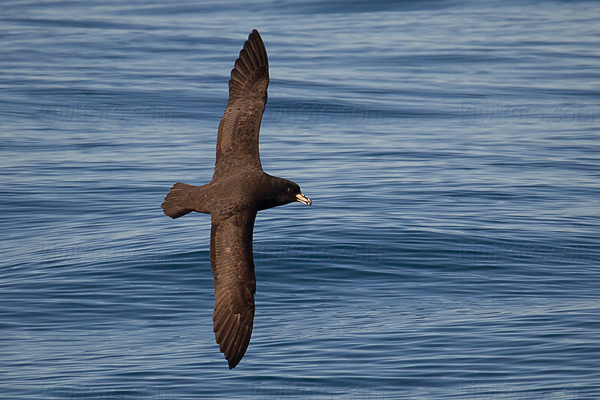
x: 239, y: 128
x: 235, y: 283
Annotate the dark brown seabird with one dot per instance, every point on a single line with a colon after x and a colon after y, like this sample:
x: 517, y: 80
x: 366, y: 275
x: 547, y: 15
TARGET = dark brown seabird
x: 238, y: 190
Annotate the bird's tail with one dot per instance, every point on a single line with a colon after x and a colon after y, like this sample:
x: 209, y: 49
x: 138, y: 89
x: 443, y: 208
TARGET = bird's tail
x: 179, y: 201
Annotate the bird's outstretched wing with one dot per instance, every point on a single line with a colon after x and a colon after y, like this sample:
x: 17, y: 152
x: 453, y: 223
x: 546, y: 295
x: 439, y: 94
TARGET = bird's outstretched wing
x: 235, y: 284
x: 240, y: 125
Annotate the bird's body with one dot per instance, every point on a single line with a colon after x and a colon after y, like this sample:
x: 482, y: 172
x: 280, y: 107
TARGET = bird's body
x: 238, y: 190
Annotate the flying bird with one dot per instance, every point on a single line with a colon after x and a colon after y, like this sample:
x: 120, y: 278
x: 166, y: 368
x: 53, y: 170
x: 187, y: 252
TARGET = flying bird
x: 238, y: 190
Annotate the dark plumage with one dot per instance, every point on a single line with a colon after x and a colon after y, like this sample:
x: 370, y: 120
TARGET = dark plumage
x: 238, y: 190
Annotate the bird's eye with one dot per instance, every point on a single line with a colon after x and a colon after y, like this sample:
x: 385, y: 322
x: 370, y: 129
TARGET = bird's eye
x: 289, y: 189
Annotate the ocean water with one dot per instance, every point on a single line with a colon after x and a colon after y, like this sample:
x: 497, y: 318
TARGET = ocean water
x: 451, y: 150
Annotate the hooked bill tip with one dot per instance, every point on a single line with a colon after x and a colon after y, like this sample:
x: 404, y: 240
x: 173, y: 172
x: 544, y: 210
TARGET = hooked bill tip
x: 303, y: 199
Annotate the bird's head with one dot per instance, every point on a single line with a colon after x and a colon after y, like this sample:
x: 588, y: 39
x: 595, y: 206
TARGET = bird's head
x: 292, y: 192
x: 284, y: 191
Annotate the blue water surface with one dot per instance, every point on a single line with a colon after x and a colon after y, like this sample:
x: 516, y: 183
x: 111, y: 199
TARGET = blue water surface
x: 451, y: 150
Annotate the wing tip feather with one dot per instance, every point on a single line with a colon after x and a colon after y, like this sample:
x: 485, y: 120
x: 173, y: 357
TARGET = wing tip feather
x: 251, y: 65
